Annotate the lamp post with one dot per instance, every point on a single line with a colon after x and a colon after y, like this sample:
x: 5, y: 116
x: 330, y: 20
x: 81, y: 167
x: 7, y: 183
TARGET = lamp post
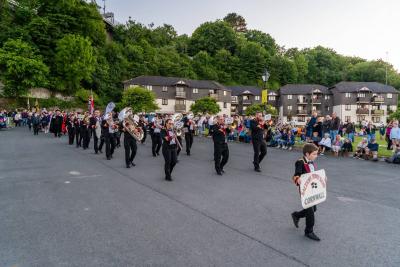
x: 264, y: 96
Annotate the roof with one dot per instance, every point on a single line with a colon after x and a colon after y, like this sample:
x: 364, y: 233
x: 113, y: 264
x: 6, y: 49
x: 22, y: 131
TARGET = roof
x: 375, y: 87
x: 302, y: 89
x: 172, y: 81
x: 243, y: 90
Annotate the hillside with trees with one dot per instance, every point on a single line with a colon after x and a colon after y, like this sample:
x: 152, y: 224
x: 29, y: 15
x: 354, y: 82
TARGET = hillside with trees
x: 62, y: 46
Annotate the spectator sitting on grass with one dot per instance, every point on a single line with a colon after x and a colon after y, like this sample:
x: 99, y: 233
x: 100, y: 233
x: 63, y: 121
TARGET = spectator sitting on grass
x: 347, y: 147
x: 315, y: 138
x: 395, y: 158
x: 283, y: 140
x: 372, y: 150
x: 325, y: 144
x: 337, y: 145
x: 360, y: 152
x: 290, y: 140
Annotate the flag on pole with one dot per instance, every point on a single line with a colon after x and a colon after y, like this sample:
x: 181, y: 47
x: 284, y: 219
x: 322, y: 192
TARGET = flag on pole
x: 91, y: 104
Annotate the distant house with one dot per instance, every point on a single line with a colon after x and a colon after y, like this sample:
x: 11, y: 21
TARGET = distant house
x: 242, y: 97
x: 174, y: 94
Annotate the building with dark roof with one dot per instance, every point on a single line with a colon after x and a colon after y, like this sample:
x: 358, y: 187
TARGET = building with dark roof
x: 174, y: 94
x: 351, y: 101
x: 242, y: 97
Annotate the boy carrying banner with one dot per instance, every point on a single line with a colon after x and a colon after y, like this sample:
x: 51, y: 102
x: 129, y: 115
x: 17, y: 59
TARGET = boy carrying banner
x: 302, y: 166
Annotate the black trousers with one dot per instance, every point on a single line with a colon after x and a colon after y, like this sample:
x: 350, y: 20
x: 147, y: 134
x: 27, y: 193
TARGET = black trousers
x: 57, y: 131
x: 189, y: 142
x: 35, y: 129
x: 130, y: 149
x: 95, y: 142
x: 71, y: 136
x: 178, y: 147
x: 85, y: 136
x: 156, y: 143
x: 110, y: 144
x: 309, y: 215
x: 101, y: 143
x: 221, y: 156
x: 78, y: 137
x: 144, y: 135
x: 260, y: 150
x: 170, y: 157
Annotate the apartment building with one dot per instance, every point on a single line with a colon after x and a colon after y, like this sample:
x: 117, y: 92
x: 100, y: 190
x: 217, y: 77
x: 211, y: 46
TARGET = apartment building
x: 242, y: 97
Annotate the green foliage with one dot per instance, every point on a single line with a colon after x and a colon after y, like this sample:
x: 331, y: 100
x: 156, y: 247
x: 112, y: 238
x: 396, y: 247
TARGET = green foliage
x: 205, y: 105
x: 236, y: 21
x: 75, y: 62
x: 395, y: 115
x: 253, y: 109
x: 83, y: 96
x: 139, y: 99
x: 21, y: 68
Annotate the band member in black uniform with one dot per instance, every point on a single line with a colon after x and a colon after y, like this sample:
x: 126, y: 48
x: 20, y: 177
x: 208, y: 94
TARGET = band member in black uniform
x: 257, y: 126
x: 95, y: 122
x: 169, y: 147
x: 71, y: 129
x: 117, y: 133
x: 156, y: 140
x: 108, y: 128
x: 143, y: 124
x: 56, y: 123
x: 219, y: 132
x: 77, y: 124
x: 85, y: 131
x: 129, y: 144
x: 302, y: 166
x: 179, y: 137
x: 189, y: 128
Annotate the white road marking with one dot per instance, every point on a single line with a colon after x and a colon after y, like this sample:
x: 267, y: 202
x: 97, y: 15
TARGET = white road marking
x: 67, y: 182
x: 346, y: 199
x: 74, y: 173
x: 86, y: 176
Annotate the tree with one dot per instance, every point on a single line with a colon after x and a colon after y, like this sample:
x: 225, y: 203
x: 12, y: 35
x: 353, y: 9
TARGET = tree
x: 211, y: 37
x: 237, y: 22
x: 395, y: 115
x: 264, y: 39
x: 253, y: 109
x: 203, y: 66
x: 75, y: 62
x: 205, y: 105
x: 139, y: 99
x: 21, y: 68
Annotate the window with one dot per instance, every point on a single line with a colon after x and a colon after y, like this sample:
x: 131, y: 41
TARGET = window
x: 376, y: 119
x: 347, y: 107
x: 301, y: 119
x: 393, y: 107
x: 212, y: 91
x: 347, y: 118
x: 225, y: 105
x: 271, y: 98
x: 149, y: 87
x: 224, y: 93
x: 360, y: 118
x: 180, y: 102
x: 289, y: 107
x: 244, y: 108
x: 389, y: 96
x: 257, y: 97
x: 361, y: 95
x: 245, y: 97
x: 289, y: 97
x: 300, y: 108
x: 165, y: 101
x: 327, y: 97
x: 195, y: 91
x: 348, y: 95
x: 165, y: 89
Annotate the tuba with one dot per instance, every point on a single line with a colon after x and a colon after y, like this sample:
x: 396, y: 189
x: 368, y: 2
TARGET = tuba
x: 178, y: 124
x: 130, y: 123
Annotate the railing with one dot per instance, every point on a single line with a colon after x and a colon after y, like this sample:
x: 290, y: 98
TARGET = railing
x: 362, y: 111
x: 379, y: 112
x: 363, y: 99
x: 180, y: 94
x: 180, y: 107
x: 234, y: 100
x: 246, y: 102
x: 302, y: 112
x: 378, y: 99
x: 317, y: 100
x: 302, y: 102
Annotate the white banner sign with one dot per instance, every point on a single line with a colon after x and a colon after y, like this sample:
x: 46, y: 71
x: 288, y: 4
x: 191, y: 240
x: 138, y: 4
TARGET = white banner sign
x: 313, y: 188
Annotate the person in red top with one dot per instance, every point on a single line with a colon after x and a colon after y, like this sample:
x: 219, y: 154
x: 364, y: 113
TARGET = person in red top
x: 302, y: 166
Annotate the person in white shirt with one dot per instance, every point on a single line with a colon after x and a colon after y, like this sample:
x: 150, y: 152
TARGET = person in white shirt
x: 325, y: 144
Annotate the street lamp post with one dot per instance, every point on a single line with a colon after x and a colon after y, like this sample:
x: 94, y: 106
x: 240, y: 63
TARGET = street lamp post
x: 265, y: 78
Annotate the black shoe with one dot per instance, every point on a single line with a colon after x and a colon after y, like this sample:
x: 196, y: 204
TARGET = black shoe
x: 312, y: 236
x: 96, y: 152
x: 108, y: 158
x: 295, y: 220
x: 154, y: 155
x: 219, y: 173
x: 100, y: 151
x: 257, y: 169
x: 158, y: 153
x: 128, y: 166
x: 188, y: 153
x: 133, y: 164
x: 222, y: 171
x: 169, y: 179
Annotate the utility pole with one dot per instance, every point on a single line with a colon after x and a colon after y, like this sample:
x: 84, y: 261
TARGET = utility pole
x: 104, y: 6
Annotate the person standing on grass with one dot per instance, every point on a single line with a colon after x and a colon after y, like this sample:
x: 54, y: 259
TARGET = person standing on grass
x: 395, y: 134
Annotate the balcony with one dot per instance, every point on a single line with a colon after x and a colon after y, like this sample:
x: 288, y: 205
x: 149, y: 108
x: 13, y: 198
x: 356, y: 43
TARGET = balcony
x: 302, y: 102
x: 363, y: 100
x: 316, y: 101
x: 378, y: 99
x: 180, y: 107
x: 362, y: 111
x: 180, y: 94
x: 215, y: 96
x: 302, y: 112
x: 378, y: 112
x: 234, y: 100
x: 246, y: 102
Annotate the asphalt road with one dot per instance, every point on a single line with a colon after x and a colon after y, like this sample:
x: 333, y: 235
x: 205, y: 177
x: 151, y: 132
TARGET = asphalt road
x: 62, y: 206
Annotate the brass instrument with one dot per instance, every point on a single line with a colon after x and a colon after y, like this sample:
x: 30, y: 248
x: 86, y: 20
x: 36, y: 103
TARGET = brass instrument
x: 178, y: 124
x: 130, y: 123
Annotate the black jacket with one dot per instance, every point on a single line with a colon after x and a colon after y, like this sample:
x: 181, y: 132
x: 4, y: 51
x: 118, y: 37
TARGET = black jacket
x: 257, y: 133
x: 218, y: 134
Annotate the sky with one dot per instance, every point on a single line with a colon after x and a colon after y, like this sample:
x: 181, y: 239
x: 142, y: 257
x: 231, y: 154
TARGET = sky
x: 365, y: 28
